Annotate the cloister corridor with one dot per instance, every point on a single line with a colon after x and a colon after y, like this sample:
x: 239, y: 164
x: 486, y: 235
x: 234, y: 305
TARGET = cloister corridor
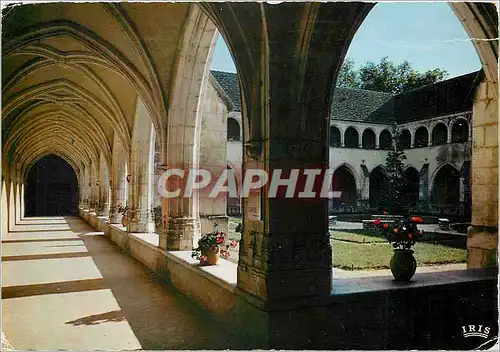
x: 65, y: 286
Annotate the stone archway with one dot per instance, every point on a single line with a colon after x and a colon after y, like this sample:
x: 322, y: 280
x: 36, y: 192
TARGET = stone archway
x: 446, y: 187
x: 51, y: 188
x: 379, y: 184
x: 412, y: 186
x: 344, y: 181
x: 368, y: 140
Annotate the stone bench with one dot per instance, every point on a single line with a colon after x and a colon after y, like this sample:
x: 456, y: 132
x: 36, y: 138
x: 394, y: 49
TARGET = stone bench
x: 444, y: 224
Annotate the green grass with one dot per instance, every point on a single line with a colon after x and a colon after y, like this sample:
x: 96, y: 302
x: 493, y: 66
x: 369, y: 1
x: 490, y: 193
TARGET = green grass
x: 365, y: 250
x: 356, y: 237
x: 358, y: 256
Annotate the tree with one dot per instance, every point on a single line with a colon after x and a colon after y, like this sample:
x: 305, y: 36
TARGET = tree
x: 394, y: 164
x: 387, y: 77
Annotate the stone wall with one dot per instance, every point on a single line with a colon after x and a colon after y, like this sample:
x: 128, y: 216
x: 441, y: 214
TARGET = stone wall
x: 483, y: 234
x: 213, y: 157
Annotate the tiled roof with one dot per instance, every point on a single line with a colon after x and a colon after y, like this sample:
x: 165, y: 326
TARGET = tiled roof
x: 362, y: 105
x: 442, y: 98
x: 229, y: 82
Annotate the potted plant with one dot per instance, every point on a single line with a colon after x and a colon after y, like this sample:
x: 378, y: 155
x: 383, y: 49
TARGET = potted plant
x: 156, y: 216
x: 123, y: 209
x: 402, y: 234
x: 212, y: 246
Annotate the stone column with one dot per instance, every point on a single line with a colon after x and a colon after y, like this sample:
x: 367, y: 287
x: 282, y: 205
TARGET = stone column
x: 104, y: 184
x: 140, y: 170
x: 94, y: 188
x: 17, y: 192
x: 285, y: 252
x: 86, y: 188
x: 483, y: 233
x: 412, y: 138
x: 118, y: 181
x: 5, y: 206
x: 12, y: 206
x: 213, y: 157
x: 21, y: 200
x: 181, y: 221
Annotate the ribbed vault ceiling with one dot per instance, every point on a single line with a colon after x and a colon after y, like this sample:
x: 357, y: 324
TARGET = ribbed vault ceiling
x: 72, y: 74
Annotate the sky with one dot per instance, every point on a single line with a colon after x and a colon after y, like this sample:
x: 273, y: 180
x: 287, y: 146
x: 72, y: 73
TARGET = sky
x: 428, y: 35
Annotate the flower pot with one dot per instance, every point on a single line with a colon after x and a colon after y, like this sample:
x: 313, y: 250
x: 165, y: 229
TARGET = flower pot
x: 403, y: 265
x: 124, y: 220
x: 211, y: 254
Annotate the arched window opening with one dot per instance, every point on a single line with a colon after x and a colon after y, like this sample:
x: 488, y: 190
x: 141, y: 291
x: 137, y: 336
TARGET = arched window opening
x: 446, y: 187
x: 460, y: 131
x: 368, y: 139
x: 385, y: 140
x: 334, y: 137
x: 421, y: 137
x: 233, y: 130
x: 412, y: 186
x: 439, y: 134
x: 406, y: 139
x: 351, y: 138
x: 343, y: 181
x: 379, y: 185
x: 51, y: 188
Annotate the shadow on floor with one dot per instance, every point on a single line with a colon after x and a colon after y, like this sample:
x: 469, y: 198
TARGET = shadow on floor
x: 160, y: 317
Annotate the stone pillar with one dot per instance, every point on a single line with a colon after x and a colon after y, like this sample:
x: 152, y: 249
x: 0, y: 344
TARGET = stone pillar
x: 118, y: 181
x: 12, y: 206
x: 104, y: 184
x: 285, y: 252
x: 86, y: 188
x: 17, y: 192
x: 181, y: 223
x: 5, y: 206
x: 21, y: 200
x: 139, y: 212
x: 449, y: 130
x: 483, y: 233
x: 94, y: 188
x: 213, y: 157
x: 412, y: 138
x: 365, y: 187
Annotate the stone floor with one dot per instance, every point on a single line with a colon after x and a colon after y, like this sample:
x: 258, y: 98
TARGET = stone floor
x: 65, y: 286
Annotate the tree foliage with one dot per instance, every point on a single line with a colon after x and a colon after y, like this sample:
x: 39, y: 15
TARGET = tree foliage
x: 386, y: 76
x: 395, y: 167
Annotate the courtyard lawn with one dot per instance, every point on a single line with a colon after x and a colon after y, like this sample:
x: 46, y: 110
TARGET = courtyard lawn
x: 359, y: 256
x: 356, y: 237
x: 358, y: 251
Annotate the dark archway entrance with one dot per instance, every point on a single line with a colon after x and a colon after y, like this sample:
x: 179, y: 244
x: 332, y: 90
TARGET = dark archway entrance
x: 379, y: 184
x: 446, y: 187
x: 412, y: 186
x: 343, y: 181
x: 51, y: 188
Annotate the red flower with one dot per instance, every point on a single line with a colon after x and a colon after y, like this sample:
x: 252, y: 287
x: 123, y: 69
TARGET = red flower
x: 416, y: 219
x: 203, y: 258
x: 220, y: 240
x: 386, y: 226
x: 410, y: 236
x: 377, y: 222
x: 234, y: 243
x: 420, y: 232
